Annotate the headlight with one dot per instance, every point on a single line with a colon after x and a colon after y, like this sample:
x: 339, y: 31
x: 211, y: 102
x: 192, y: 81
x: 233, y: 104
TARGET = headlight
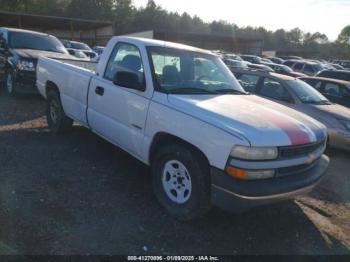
x: 254, y: 153
x: 346, y: 123
x: 26, y: 65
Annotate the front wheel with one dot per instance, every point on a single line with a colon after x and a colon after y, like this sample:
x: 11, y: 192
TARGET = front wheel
x: 181, y: 182
x: 57, y: 120
x: 9, y: 84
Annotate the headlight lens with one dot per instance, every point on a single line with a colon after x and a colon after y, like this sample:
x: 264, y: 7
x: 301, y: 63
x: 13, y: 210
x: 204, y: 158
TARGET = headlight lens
x: 346, y: 123
x: 254, y: 153
x: 26, y: 65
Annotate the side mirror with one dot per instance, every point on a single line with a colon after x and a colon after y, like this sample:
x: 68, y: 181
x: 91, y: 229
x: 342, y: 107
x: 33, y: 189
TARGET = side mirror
x: 128, y: 80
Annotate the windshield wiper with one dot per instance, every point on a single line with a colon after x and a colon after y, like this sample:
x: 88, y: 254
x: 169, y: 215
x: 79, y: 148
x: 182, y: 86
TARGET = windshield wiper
x: 189, y: 90
x: 321, y: 102
x: 231, y: 91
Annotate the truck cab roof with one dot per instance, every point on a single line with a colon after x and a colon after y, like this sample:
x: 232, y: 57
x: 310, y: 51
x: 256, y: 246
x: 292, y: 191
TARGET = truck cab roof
x: 159, y: 43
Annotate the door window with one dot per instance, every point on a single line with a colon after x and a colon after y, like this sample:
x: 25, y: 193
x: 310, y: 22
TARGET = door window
x: 125, y: 57
x: 273, y: 89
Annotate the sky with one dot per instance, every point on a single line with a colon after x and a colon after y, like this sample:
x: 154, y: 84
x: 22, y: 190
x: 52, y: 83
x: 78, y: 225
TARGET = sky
x: 325, y: 16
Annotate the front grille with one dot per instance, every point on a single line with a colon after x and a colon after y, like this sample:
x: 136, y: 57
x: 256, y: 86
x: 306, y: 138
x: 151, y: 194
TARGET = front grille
x: 295, y: 169
x: 299, y: 151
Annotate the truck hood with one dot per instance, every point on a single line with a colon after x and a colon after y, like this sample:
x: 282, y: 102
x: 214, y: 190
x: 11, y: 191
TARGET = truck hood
x: 35, y: 54
x: 260, y: 121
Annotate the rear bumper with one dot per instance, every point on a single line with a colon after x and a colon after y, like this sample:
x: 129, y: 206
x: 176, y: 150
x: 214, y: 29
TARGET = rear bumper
x: 238, y: 196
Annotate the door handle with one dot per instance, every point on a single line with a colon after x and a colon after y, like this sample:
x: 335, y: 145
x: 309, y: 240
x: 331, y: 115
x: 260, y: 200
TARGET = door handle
x: 100, y: 91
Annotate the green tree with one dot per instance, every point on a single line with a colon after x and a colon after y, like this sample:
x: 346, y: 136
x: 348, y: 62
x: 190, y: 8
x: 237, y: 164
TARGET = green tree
x: 344, y: 36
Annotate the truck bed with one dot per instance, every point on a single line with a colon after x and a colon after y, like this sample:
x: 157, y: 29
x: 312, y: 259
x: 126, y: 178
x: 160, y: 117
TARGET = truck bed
x: 73, y: 77
x: 87, y: 65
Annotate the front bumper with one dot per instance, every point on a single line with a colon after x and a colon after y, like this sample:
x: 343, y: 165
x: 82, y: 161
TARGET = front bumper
x: 25, y: 82
x: 238, y: 195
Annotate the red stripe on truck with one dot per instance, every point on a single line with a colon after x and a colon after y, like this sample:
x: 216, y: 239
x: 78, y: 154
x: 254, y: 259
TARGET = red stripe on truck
x: 295, y: 133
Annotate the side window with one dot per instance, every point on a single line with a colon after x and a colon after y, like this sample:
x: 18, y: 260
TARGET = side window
x: 125, y: 57
x: 332, y: 90
x: 309, y: 68
x: 249, y: 82
x: 298, y: 66
x: 273, y: 89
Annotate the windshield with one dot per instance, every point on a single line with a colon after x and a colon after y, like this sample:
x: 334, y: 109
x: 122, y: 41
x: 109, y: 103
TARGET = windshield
x: 188, y: 72
x: 306, y: 93
x: 21, y: 40
x: 80, y: 46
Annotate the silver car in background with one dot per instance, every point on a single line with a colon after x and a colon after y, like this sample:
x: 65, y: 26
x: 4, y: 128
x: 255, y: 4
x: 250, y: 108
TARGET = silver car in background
x: 300, y: 96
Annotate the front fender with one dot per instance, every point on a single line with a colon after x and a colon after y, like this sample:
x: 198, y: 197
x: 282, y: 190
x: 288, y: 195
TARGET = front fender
x: 213, y: 142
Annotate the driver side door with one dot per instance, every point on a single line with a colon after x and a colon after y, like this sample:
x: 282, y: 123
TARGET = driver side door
x: 116, y: 112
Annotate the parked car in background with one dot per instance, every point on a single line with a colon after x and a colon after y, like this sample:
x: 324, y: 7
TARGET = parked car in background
x: 307, y: 68
x: 98, y: 49
x: 19, y: 53
x: 266, y: 60
x: 300, y: 96
x: 337, y: 91
x: 275, y: 60
x: 335, y: 74
x: 251, y: 59
x: 259, y: 67
x: 290, y: 63
x: 181, y: 111
x: 78, y: 54
x: 233, y: 57
x: 344, y: 63
x: 80, y: 47
x: 291, y: 57
x: 235, y: 63
x: 338, y: 67
x: 284, y: 70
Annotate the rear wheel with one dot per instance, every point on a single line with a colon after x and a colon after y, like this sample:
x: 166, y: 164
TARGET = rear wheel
x: 181, y: 181
x: 57, y: 120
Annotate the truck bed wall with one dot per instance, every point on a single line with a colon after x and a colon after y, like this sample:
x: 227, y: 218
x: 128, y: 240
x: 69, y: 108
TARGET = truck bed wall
x: 71, y: 80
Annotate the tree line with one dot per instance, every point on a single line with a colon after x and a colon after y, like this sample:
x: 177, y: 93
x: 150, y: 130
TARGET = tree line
x: 127, y: 18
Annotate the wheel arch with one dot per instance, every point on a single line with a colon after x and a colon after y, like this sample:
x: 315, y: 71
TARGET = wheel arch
x: 162, y: 138
x: 51, y: 87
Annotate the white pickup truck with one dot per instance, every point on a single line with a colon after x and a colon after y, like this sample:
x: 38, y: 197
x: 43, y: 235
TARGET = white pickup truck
x: 180, y: 110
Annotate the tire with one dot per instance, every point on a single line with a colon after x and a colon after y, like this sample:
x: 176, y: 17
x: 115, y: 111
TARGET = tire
x: 9, y: 84
x: 178, y: 168
x: 56, y: 118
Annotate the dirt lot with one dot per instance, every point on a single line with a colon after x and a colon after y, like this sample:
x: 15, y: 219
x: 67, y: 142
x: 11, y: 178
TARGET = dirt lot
x: 76, y: 194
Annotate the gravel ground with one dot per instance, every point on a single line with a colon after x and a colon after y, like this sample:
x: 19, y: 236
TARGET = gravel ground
x: 77, y: 194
